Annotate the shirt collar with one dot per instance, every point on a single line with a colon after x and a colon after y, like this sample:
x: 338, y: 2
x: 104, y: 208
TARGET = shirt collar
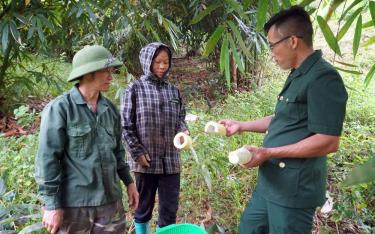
x: 78, y: 98
x: 307, y: 64
x: 76, y: 95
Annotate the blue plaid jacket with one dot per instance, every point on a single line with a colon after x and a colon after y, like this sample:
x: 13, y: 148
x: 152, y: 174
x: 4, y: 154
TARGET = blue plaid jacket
x: 152, y: 113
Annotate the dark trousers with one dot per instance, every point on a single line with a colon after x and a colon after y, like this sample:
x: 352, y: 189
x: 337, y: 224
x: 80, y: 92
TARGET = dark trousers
x: 168, y: 187
x: 262, y: 216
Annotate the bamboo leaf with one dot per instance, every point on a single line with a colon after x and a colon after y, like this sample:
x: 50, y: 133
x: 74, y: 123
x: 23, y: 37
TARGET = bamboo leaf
x: 238, y: 8
x: 39, y: 30
x: 92, y: 15
x: 79, y: 12
x: 30, y: 32
x: 238, y: 36
x: 206, y: 175
x: 369, y: 41
x: 328, y: 35
x: 2, y: 187
x: 347, y: 24
x: 346, y: 64
x: 45, y: 21
x: 263, y: 40
x: 349, y: 8
x: 311, y: 11
x: 306, y: 2
x: 239, y: 61
x: 173, y: 40
x: 361, y: 174
x: 286, y: 3
x: 165, y: 24
x: 33, y: 21
x: 227, y: 67
x: 235, y: 5
x: 204, y: 13
x: 139, y: 35
x: 372, y: 11
x: 349, y: 71
x: 15, y: 32
x: 357, y: 36
x: 160, y: 18
x: 334, y: 4
x: 149, y: 28
x: 5, y: 37
x: 370, y: 75
x: 275, y: 6
x: 212, y: 41
x: 1, y: 26
x: 261, y: 14
x: 257, y: 45
x: 367, y: 24
x: 21, y: 18
x: 223, y: 52
x: 4, y: 212
x: 174, y: 28
x: 246, y: 4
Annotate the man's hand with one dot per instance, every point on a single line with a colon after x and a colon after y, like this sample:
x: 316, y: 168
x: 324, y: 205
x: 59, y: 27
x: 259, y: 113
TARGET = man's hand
x: 144, y: 160
x: 232, y: 126
x: 133, y: 196
x: 52, y: 219
x: 260, y: 155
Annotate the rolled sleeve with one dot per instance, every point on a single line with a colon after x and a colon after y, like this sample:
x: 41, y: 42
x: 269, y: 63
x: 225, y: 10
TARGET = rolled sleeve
x: 52, y: 139
x: 327, y: 99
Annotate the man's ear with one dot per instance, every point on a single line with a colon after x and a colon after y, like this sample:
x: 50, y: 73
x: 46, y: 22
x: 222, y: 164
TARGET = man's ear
x: 294, y: 42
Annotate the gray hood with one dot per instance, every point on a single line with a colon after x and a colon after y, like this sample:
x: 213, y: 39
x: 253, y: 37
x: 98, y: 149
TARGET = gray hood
x: 146, y: 55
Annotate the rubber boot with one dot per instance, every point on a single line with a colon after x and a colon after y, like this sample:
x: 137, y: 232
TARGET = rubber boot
x: 142, y: 228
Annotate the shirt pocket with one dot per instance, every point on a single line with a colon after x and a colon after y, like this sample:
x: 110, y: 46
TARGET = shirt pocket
x: 79, y: 140
x: 174, y: 103
x: 282, y: 179
x: 288, y: 107
x: 173, y: 108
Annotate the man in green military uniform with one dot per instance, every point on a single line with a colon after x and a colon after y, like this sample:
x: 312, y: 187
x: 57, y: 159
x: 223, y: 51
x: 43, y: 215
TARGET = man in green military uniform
x: 80, y: 160
x: 304, y: 128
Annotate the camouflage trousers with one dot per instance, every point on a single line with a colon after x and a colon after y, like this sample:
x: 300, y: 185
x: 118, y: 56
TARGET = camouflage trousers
x: 100, y: 219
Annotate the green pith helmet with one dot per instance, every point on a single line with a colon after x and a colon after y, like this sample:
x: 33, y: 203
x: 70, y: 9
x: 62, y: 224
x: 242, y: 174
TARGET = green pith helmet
x: 90, y: 59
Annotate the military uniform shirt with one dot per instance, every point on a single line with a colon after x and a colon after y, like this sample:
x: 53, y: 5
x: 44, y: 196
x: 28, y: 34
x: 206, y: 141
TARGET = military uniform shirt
x: 312, y: 101
x: 80, y: 159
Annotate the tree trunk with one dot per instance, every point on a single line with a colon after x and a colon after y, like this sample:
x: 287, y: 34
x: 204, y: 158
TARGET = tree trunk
x: 233, y: 72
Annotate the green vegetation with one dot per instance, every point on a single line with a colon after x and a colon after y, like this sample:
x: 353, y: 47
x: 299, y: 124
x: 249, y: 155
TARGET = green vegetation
x: 38, y: 40
x: 231, y: 185
x: 228, y: 32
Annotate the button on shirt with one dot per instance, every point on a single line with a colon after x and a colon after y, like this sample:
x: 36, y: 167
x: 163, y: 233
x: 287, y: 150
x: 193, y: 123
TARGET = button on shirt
x: 80, y: 159
x: 312, y: 101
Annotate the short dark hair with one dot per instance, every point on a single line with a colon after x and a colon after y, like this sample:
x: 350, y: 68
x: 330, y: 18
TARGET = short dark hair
x: 165, y: 49
x: 293, y: 21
